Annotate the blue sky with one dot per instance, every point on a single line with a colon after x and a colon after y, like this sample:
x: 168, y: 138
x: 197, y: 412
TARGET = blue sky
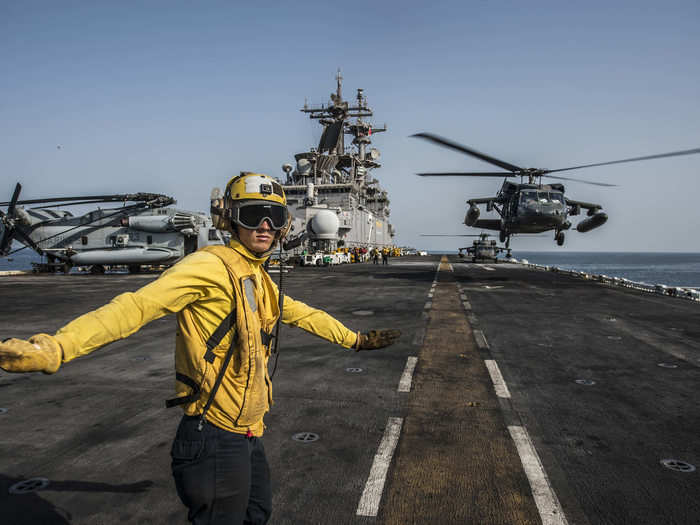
x: 176, y: 97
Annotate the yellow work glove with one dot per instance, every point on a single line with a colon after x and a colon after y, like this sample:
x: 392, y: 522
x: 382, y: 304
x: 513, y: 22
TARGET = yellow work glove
x: 41, y: 353
x: 376, y: 339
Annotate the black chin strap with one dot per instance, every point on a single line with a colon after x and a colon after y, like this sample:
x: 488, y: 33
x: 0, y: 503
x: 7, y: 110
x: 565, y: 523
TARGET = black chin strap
x: 279, y: 319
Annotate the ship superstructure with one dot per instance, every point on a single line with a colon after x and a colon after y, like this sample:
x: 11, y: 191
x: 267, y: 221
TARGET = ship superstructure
x: 331, y: 192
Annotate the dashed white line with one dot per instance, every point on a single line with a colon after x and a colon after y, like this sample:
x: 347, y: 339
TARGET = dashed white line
x: 428, y: 305
x: 372, y: 495
x: 467, y: 305
x: 407, y: 376
x: 497, y: 379
x: 546, y: 500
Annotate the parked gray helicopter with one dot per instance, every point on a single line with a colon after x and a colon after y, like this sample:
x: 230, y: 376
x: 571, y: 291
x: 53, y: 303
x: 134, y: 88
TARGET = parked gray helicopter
x: 531, y: 207
x: 145, y: 232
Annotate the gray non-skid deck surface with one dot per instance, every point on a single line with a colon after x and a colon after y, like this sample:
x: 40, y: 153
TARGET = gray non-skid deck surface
x: 98, y: 430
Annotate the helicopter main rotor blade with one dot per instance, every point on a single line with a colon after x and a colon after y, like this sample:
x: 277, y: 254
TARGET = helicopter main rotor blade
x: 468, y: 174
x: 579, y: 180
x: 469, y: 151
x: 647, y: 157
x: 446, y: 235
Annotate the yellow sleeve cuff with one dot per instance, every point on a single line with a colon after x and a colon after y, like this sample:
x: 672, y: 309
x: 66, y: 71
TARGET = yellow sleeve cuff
x: 67, y: 345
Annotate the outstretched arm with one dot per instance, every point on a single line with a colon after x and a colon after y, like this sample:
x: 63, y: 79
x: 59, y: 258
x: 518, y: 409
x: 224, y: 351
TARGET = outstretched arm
x: 317, y: 322
x: 328, y: 327
x: 182, y: 284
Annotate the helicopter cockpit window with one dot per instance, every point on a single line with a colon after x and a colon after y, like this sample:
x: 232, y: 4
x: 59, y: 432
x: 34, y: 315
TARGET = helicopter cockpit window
x: 543, y: 196
x: 528, y: 196
x: 556, y: 197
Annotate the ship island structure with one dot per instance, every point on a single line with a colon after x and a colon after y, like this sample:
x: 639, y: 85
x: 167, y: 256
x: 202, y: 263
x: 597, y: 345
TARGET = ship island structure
x: 335, y: 202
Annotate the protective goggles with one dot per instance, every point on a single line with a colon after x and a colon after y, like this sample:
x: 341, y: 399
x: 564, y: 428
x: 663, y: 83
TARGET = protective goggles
x: 253, y: 214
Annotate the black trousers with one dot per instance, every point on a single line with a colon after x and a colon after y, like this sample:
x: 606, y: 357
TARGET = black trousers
x: 220, y: 476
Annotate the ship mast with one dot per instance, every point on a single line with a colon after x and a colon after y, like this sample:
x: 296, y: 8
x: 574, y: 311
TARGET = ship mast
x: 336, y: 120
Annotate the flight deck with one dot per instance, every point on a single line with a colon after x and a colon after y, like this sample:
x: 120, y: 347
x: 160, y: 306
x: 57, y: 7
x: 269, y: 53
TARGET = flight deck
x: 514, y: 396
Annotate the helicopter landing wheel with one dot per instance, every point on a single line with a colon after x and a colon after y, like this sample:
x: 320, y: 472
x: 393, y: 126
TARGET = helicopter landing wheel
x: 559, y: 237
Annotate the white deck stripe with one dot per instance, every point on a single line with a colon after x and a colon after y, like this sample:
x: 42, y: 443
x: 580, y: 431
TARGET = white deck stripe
x: 428, y: 305
x: 479, y: 336
x: 466, y: 305
x: 372, y: 495
x: 407, y: 376
x: 545, y: 498
x: 497, y: 379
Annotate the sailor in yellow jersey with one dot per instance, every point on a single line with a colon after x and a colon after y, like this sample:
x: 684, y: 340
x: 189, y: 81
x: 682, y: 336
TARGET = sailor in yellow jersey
x: 227, y: 307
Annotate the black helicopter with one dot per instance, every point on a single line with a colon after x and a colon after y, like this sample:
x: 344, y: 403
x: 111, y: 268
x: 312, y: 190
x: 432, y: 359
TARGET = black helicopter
x: 531, y: 207
x: 482, y: 249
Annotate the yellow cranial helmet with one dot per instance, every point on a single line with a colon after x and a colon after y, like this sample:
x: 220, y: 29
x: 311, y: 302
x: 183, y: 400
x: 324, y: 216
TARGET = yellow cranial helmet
x: 255, y: 186
x: 249, y: 200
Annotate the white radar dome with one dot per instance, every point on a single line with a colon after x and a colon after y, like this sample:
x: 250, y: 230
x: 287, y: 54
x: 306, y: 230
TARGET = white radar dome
x: 303, y: 167
x: 324, y: 225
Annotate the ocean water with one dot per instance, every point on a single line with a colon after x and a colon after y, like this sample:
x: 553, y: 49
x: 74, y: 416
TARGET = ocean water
x: 671, y: 269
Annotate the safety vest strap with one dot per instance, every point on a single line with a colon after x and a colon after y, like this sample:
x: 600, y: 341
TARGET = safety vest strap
x: 176, y: 401
x: 218, y: 335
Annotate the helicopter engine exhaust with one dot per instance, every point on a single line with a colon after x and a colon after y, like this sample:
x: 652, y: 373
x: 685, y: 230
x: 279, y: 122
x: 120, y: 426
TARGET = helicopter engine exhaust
x: 594, y: 221
x: 472, y: 215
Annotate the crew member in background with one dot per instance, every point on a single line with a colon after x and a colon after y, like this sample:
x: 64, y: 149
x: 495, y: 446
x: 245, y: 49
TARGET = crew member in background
x: 227, y: 307
x: 385, y: 255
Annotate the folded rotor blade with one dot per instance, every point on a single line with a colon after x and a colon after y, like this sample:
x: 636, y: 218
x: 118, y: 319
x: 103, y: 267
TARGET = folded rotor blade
x: 634, y: 159
x: 468, y: 174
x: 126, y: 197
x: 60, y: 204
x: 579, y: 180
x: 5, y: 240
x: 28, y: 240
x: 13, y: 200
x: 469, y: 151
